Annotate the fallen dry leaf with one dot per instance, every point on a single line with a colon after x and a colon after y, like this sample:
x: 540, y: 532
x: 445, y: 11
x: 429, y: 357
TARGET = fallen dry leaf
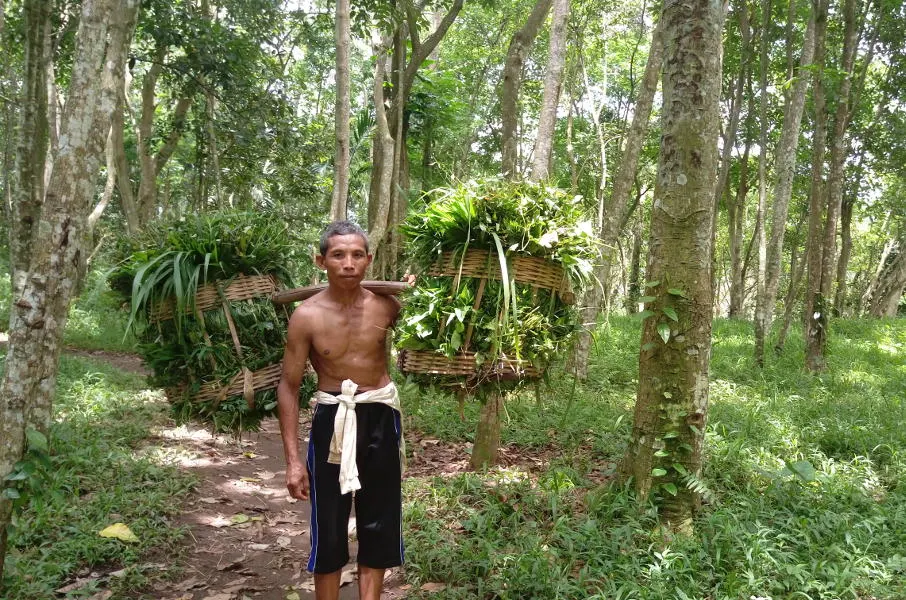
x: 219, y: 521
x: 119, y: 531
x: 348, y: 576
x: 78, y: 583
x: 209, y: 500
x: 101, y: 595
x: 433, y: 587
x: 219, y: 596
x: 259, y: 547
x: 284, y: 542
x: 265, y: 475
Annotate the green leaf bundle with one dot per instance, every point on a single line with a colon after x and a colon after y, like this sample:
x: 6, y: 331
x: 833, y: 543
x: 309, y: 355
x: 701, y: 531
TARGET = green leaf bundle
x: 513, y: 321
x: 168, y: 263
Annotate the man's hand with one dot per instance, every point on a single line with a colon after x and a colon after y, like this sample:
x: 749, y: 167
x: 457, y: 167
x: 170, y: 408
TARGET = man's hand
x: 297, y: 481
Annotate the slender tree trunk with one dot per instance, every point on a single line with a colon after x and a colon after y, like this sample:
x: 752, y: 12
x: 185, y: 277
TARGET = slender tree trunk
x: 736, y: 213
x: 553, y: 80
x: 729, y: 137
x: 784, y: 167
x: 341, y: 125
x: 618, y: 209
x: 27, y: 178
x: 797, y: 269
x: 814, y: 316
x: 511, y: 82
x: 672, y: 404
x: 762, y: 326
x: 634, y: 284
x: 819, y: 300
x: 385, y: 146
x: 846, y: 247
x: 56, y: 264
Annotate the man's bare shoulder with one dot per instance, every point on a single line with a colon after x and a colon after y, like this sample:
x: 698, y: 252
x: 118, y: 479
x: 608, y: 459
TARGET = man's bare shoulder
x: 388, y: 305
x: 308, y: 312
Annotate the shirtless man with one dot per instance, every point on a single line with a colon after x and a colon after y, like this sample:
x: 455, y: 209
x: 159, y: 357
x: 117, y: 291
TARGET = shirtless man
x: 356, y: 428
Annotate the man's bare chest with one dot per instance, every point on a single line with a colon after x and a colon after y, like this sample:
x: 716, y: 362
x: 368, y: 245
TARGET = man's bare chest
x: 341, y: 336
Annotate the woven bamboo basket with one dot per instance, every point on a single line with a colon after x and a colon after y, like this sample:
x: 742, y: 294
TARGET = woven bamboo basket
x: 484, y: 265
x: 215, y: 295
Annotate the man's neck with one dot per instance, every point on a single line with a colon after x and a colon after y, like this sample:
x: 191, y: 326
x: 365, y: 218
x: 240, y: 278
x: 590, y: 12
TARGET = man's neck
x: 345, y: 297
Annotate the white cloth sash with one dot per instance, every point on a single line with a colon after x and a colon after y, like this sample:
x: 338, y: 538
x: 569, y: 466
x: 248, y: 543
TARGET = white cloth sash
x: 343, y: 442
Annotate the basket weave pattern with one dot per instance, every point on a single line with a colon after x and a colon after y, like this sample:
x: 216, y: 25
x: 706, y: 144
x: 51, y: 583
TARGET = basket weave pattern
x: 463, y: 364
x: 214, y: 296
x: 529, y: 270
x: 262, y: 379
x: 243, y: 287
x: 484, y: 265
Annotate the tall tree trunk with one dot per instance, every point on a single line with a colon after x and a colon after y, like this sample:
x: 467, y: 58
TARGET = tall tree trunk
x: 762, y: 326
x: 846, y: 247
x: 618, y: 209
x: 672, y: 404
x: 511, y: 82
x: 814, y: 316
x: 384, y: 146
x: 27, y: 177
x: 634, y: 283
x: 736, y: 217
x: 819, y: 301
x: 797, y: 269
x: 885, y: 297
x: 56, y: 264
x: 341, y: 124
x: 550, y: 100
x: 784, y: 167
x: 405, y: 72
x: 729, y: 137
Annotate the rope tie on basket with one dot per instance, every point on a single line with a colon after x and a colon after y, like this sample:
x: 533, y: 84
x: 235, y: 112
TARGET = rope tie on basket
x: 248, y: 387
x: 343, y: 442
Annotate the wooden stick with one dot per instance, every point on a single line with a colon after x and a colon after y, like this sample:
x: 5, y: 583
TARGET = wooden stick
x: 383, y: 288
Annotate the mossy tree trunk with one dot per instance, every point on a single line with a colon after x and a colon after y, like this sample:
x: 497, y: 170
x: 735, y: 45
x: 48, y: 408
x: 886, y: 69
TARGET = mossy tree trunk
x: 55, y: 266
x: 665, y: 448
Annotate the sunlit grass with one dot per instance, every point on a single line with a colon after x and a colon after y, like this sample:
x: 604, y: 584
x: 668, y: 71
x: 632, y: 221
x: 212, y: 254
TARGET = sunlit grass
x: 804, y: 473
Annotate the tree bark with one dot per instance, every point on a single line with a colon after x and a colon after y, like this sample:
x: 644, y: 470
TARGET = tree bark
x: 385, y: 147
x: 511, y: 82
x: 814, y: 316
x: 665, y: 448
x: 56, y: 264
x: 618, y: 209
x: 341, y: 125
x: 785, y: 166
x: 27, y: 177
x: 736, y: 216
x: 550, y: 100
x: 797, y: 269
x: 885, y: 297
x: 846, y: 247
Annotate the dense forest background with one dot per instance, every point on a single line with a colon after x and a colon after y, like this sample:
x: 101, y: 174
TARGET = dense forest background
x: 742, y: 161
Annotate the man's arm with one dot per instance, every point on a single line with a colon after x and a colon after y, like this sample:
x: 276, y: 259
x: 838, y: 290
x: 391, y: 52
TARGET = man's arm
x: 298, y: 344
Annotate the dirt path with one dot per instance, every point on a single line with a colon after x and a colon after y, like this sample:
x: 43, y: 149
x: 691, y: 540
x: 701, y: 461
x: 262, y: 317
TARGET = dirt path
x: 246, y: 538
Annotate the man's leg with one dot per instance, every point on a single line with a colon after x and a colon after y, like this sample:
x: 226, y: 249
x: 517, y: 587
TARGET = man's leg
x: 327, y: 585
x: 370, y: 583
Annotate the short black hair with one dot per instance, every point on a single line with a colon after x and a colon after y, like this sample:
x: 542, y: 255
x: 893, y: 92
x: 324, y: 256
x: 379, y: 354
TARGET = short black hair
x: 341, y: 228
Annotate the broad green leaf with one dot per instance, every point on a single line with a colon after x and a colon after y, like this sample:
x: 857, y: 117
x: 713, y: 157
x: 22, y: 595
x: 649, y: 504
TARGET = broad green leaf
x: 647, y: 299
x: 36, y: 440
x: 803, y: 469
x: 670, y: 488
x: 677, y: 292
x: 651, y: 284
x: 658, y: 472
x: 671, y: 313
x: 663, y: 330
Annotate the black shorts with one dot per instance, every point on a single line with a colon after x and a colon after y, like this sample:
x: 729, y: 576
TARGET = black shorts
x: 378, y: 505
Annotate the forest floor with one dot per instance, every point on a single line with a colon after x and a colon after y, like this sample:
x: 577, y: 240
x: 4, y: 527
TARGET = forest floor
x: 246, y: 537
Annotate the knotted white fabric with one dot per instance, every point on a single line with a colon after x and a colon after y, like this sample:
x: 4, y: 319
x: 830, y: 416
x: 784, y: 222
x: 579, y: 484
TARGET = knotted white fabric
x: 343, y: 442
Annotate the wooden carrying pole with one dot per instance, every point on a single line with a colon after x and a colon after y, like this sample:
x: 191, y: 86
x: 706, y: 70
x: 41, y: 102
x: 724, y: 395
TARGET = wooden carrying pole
x: 383, y: 288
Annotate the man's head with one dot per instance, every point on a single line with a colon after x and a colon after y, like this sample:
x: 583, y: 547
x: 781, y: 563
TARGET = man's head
x: 341, y: 228
x: 344, y: 254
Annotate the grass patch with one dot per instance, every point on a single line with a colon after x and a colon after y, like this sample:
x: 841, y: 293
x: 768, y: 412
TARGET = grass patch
x: 804, y: 474
x: 96, y: 478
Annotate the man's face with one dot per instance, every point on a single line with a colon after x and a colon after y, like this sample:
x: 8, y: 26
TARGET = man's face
x: 346, y: 260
